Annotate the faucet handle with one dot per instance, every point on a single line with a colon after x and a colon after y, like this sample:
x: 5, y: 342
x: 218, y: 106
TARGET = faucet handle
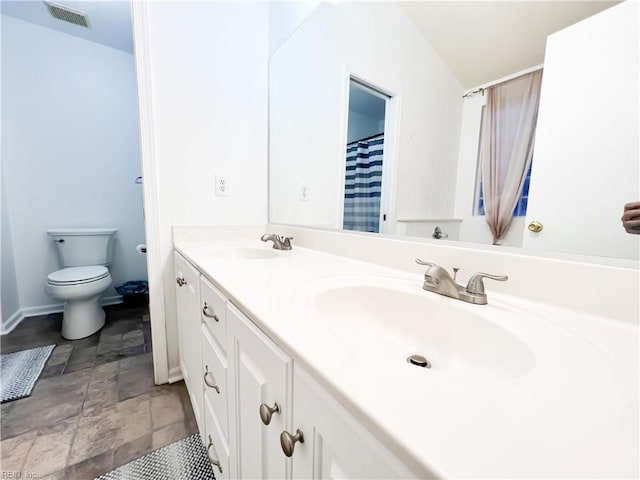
x: 286, y: 241
x: 476, y: 284
x: 422, y: 262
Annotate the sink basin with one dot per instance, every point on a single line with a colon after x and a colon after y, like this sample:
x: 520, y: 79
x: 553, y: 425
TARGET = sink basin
x: 400, y: 319
x: 243, y: 253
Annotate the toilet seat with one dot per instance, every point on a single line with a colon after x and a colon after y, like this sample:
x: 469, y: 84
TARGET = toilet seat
x: 77, y: 275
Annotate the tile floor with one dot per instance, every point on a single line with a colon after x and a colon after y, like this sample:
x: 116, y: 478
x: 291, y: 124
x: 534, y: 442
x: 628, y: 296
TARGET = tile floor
x: 95, y: 406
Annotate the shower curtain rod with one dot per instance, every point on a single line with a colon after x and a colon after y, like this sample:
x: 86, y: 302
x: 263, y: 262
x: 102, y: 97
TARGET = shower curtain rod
x: 366, y: 138
x: 483, y: 87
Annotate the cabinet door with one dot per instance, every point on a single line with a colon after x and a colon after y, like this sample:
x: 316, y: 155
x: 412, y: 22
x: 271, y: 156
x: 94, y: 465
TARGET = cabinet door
x: 188, y: 318
x: 213, y: 439
x: 261, y: 374
x: 335, y: 444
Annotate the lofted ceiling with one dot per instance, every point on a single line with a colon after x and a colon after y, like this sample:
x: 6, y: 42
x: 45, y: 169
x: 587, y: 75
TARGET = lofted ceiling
x: 109, y: 20
x: 482, y: 41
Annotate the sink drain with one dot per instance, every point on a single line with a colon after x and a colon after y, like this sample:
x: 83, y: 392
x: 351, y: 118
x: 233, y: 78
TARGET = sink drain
x: 419, y: 361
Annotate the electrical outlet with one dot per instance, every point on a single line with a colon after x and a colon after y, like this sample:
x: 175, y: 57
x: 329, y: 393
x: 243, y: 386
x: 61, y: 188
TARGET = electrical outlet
x: 304, y: 192
x: 222, y: 185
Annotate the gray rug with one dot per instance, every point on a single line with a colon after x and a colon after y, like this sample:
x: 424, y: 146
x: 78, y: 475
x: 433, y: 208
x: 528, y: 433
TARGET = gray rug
x: 19, y: 371
x: 185, y: 459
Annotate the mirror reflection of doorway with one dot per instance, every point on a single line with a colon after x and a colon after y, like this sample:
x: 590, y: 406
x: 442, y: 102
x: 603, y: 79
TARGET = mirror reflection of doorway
x: 364, y: 163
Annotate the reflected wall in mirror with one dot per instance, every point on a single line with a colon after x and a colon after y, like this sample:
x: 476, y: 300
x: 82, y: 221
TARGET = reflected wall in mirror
x: 585, y: 165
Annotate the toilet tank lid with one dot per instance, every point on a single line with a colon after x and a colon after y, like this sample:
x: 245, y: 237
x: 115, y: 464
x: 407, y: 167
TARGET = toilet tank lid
x: 82, y: 231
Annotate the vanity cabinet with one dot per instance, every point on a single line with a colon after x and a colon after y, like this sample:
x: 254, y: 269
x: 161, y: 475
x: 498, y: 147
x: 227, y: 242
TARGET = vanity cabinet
x: 188, y: 320
x: 243, y: 389
x: 262, y: 374
x: 335, y: 444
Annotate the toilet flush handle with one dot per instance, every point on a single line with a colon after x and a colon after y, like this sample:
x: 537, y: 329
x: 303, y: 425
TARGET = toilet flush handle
x: 60, y: 241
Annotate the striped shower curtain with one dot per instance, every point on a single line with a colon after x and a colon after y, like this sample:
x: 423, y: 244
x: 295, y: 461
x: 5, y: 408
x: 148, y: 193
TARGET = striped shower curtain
x: 363, y: 184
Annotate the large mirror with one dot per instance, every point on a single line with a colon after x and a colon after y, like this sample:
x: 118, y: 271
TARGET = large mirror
x: 414, y: 74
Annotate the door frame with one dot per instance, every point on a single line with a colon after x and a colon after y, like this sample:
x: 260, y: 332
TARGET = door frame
x: 140, y: 25
x: 389, y: 165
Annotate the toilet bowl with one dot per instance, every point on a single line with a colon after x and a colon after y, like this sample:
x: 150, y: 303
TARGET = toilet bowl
x: 85, y: 254
x: 81, y: 289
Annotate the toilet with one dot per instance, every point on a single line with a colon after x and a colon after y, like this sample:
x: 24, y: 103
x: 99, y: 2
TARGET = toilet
x: 85, y: 254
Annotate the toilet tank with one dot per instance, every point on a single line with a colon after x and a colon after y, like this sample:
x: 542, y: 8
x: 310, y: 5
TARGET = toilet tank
x: 79, y: 247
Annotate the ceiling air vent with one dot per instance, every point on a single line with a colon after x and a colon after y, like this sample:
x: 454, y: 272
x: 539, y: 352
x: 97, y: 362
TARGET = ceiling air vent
x: 68, y: 14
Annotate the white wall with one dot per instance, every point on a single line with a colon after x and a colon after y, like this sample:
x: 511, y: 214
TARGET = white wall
x: 70, y: 151
x: 308, y: 109
x: 207, y: 67
x: 362, y: 126
x: 285, y: 17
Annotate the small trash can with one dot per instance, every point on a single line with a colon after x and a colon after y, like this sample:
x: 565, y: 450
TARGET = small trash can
x: 134, y: 293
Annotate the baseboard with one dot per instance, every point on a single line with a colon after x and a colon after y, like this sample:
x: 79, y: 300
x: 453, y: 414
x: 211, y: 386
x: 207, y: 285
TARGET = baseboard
x: 175, y: 375
x: 21, y: 314
x: 11, y: 323
x: 116, y: 299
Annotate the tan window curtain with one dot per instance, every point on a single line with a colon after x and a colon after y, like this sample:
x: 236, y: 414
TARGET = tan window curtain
x: 506, y: 147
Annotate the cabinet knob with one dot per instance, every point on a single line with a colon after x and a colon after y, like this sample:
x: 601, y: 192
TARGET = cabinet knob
x: 180, y: 280
x: 288, y: 441
x: 205, y: 312
x: 208, y: 382
x: 535, y: 226
x: 213, y: 461
x: 266, y: 412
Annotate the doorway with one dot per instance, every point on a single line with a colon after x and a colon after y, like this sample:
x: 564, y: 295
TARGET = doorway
x: 364, y: 186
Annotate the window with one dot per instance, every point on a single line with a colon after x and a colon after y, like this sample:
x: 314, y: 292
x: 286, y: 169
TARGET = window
x: 520, y: 209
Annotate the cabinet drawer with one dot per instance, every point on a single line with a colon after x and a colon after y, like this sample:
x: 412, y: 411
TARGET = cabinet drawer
x: 214, y: 367
x: 216, y: 446
x: 214, y: 312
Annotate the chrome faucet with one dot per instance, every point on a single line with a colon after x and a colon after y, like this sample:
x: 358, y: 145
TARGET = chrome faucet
x: 279, y: 242
x: 438, y: 280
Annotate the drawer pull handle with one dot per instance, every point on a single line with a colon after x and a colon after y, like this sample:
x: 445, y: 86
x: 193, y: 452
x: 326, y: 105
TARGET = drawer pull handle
x: 208, y: 382
x: 266, y: 412
x: 205, y: 312
x: 180, y: 281
x: 213, y: 460
x: 288, y: 441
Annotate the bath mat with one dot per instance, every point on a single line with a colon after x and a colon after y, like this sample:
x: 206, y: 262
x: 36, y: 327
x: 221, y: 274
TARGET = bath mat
x: 185, y: 459
x: 19, y: 371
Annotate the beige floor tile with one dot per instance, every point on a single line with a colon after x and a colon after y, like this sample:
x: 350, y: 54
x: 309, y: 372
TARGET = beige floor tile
x: 133, y: 384
x: 103, y: 387
x: 105, y: 372
x: 132, y: 450
x: 91, y: 467
x: 99, y: 396
x: 14, y: 451
x: 53, y: 400
x: 169, y: 434
x: 166, y: 406
x: 59, y: 475
x: 137, y: 362
x: 101, y: 430
x: 50, y: 449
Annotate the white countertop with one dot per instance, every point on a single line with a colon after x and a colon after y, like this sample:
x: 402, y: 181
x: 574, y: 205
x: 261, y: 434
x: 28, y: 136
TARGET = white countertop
x: 573, y: 413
